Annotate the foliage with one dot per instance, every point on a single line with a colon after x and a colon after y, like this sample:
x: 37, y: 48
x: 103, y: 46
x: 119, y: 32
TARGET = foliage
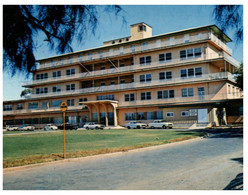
x: 26, y: 92
x: 230, y: 17
x: 239, y: 77
x: 60, y: 24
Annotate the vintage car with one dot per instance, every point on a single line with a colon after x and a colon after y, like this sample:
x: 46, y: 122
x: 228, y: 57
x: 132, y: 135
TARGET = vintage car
x: 160, y: 124
x: 93, y: 125
x: 26, y: 128
x: 136, y: 125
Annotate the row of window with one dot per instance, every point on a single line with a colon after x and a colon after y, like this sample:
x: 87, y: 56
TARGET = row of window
x: 165, y: 94
x: 191, y: 112
x: 184, y: 73
x: 167, y: 57
x: 56, y: 74
x: 144, y: 116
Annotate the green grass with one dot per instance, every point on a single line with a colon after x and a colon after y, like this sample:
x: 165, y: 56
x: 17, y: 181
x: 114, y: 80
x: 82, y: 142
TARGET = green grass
x: 22, y: 149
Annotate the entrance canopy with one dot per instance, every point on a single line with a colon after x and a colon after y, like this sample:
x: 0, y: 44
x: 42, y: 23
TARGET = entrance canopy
x: 102, y: 105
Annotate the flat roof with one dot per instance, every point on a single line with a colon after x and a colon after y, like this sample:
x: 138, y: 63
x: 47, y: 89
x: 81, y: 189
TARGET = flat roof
x: 213, y: 27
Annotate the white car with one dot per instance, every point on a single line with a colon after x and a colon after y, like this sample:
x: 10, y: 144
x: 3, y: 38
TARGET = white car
x: 160, y: 124
x: 135, y: 125
x: 49, y: 127
x: 93, y: 125
x: 27, y: 128
x: 12, y: 128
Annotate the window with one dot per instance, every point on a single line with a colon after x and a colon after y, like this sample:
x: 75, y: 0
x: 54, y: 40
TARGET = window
x: 41, y: 76
x: 193, y: 112
x: 145, y: 95
x: 142, y: 28
x: 140, y: 116
x: 56, y: 88
x: 165, y: 57
x: 41, y: 90
x: 145, y: 60
x: 146, y: 78
x: 80, y: 58
x: 112, y: 82
x: 105, y: 97
x: 56, y: 74
x: 70, y: 87
x: 45, y: 104
x: 190, y: 53
x: 165, y: 75
x: 150, y: 116
x: 7, y: 107
x: 113, y: 42
x: 198, y: 71
x: 132, y: 48
x: 187, y: 92
x: 70, y: 60
x: 100, y: 54
x: 184, y: 113
x: 165, y: 94
x: 19, y: 107
x: 169, y: 114
x: 82, y: 99
x: 70, y: 102
x: 70, y: 72
x: 33, y: 105
x: 129, y: 97
x: 159, y: 114
x: 102, y: 68
x: 56, y: 103
x: 102, y: 84
x: 129, y: 116
x: 144, y: 46
x: 191, y: 72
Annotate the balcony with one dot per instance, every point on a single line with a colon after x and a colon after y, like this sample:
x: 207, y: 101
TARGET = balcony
x: 33, y: 111
x: 184, y: 100
x: 124, y: 51
x: 133, y: 68
x: 136, y: 85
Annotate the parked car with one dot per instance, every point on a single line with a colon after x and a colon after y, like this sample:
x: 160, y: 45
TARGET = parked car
x: 93, y: 125
x: 49, y: 127
x: 135, y: 125
x: 27, y: 128
x: 160, y: 124
x: 68, y: 126
x: 12, y: 128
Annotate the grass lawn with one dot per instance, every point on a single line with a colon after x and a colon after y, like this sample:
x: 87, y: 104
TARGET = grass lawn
x: 22, y: 149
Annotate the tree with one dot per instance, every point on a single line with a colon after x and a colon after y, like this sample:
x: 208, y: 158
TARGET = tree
x: 230, y: 17
x: 239, y: 77
x: 60, y: 24
x: 26, y: 92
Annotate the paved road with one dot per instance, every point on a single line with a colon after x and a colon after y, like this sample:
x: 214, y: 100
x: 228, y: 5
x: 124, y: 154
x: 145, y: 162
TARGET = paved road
x: 207, y: 164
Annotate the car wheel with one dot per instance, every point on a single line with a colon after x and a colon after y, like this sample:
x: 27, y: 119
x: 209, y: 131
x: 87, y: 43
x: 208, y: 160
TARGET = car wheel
x: 97, y: 128
x: 164, y: 127
x: 87, y: 128
x: 138, y: 127
x: 129, y: 127
x: 152, y: 127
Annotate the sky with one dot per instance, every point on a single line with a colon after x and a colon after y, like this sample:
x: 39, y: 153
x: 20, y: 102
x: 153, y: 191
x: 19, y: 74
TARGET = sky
x: 162, y: 18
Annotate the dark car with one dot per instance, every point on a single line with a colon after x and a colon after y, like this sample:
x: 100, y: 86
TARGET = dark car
x: 68, y: 126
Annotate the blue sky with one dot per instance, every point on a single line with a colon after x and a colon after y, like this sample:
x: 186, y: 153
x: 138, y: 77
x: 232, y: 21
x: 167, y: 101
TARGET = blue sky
x: 162, y: 18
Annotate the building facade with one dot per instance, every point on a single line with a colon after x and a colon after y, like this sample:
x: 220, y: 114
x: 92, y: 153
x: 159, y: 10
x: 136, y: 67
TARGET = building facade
x: 185, y: 77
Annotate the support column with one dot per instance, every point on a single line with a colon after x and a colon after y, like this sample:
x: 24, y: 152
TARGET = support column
x: 90, y: 112
x: 115, y: 114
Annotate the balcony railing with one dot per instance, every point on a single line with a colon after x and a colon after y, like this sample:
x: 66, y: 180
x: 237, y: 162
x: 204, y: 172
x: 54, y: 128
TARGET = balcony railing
x: 220, y: 43
x: 30, y: 111
x: 134, y: 85
x: 137, y: 67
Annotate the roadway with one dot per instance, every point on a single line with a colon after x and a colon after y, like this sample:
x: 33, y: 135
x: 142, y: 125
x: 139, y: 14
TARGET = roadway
x: 209, y: 163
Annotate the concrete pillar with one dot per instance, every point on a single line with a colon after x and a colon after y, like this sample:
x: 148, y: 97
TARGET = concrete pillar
x: 115, y: 114
x: 96, y: 105
x: 90, y: 112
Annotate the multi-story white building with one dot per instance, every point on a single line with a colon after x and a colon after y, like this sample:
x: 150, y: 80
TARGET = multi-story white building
x: 184, y: 76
